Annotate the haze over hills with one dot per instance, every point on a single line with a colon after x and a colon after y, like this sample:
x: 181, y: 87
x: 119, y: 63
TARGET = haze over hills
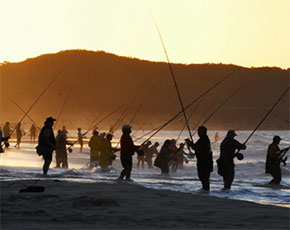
x: 99, y: 82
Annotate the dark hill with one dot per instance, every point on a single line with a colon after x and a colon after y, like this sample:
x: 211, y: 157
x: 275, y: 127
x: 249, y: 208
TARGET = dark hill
x: 103, y: 81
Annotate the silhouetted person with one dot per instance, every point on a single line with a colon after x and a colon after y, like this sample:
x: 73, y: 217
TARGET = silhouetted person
x: 6, y: 133
x: 163, y: 158
x: 60, y: 150
x: 228, y: 149
x: 18, y: 135
x: 204, y: 157
x: 32, y: 132
x: 95, y: 145
x: 46, y: 143
x: 149, y: 154
x: 274, y: 159
x: 2, y: 139
x: 106, y: 152
x: 127, y: 151
x: 64, y: 129
x: 180, y: 156
x: 216, y: 137
x: 80, y: 139
x: 141, y: 158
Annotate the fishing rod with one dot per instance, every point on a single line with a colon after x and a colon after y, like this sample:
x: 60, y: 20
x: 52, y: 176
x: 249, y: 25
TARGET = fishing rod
x: 218, y: 108
x: 181, y: 131
x: 64, y: 103
x: 173, y: 78
x: 92, y: 127
x: 239, y: 155
x: 156, y: 130
x: 283, y: 155
x: 19, y: 107
x: 37, y: 99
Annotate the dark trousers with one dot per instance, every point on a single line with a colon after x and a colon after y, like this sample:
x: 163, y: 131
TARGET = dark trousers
x: 203, y: 175
x: 47, y: 160
x: 126, y: 161
x: 164, y: 168
x: 276, y: 174
x: 228, y: 175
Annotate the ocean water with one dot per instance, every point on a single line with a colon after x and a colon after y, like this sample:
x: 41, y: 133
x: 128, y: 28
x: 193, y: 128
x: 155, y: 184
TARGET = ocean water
x: 250, y: 184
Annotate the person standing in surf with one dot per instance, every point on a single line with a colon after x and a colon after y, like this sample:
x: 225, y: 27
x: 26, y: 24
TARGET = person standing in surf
x: 226, y: 166
x: 203, y: 154
x: 127, y: 151
x: 273, y: 161
x: 46, y: 143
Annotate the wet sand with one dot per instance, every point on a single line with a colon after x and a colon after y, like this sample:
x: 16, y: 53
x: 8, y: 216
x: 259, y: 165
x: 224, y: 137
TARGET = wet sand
x: 113, y: 205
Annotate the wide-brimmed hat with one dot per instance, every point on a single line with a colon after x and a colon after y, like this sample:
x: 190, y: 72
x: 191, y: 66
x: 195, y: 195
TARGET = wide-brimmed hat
x: 231, y: 132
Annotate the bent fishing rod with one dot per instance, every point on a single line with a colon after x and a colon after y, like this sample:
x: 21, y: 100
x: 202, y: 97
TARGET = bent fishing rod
x: 104, y: 118
x: 173, y: 78
x: 217, y: 109
x: 19, y: 107
x: 156, y: 130
x: 64, y: 103
x: 239, y: 155
x: 37, y: 99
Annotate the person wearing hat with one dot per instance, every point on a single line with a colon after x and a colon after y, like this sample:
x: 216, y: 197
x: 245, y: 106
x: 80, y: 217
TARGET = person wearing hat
x: 274, y: 159
x: 127, y: 151
x: 204, y: 157
x: 226, y: 166
x: 46, y: 143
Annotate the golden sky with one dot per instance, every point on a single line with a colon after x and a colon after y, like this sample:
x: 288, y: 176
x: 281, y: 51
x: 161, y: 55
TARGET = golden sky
x: 242, y: 32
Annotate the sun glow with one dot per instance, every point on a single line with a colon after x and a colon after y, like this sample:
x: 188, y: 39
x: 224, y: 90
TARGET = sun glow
x: 243, y: 32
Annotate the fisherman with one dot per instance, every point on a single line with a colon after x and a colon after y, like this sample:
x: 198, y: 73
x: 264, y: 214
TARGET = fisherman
x: 46, y: 143
x: 80, y: 139
x: 180, y: 156
x: 2, y: 139
x: 149, y: 154
x: 95, y: 145
x: 274, y: 159
x: 204, y: 157
x: 127, y: 151
x: 106, y: 152
x: 163, y: 158
x: 60, y: 150
x: 32, y: 131
x: 216, y: 137
x: 18, y: 135
x: 226, y: 166
x: 65, y: 130
x: 6, y: 133
x: 145, y: 149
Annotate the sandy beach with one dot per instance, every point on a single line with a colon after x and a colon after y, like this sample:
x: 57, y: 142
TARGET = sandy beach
x: 115, y: 205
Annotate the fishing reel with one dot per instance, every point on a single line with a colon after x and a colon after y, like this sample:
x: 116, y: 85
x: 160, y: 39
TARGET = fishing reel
x: 7, y: 144
x: 69, y: 150
x: 239, y: 156
x: 284, y: 161
x: 190, y: 155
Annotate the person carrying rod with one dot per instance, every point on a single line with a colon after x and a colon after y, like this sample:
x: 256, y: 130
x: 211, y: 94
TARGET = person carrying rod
x: 204, y: 157
x: 274, y: 159
x: 226, y: 166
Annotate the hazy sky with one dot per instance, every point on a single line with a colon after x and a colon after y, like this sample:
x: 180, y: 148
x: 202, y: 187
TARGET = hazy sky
x: 243, y: 32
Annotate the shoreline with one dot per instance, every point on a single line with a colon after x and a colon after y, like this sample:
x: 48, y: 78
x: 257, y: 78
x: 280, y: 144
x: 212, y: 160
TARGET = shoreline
x: 112, y: 205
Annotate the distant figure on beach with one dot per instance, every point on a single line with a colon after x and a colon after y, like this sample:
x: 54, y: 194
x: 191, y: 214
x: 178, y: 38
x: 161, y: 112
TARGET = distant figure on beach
x: 226, y: 166
x: 95, y: 146
x: 216, y: 137
x: 141, y: 158
x: 274, y: 159
x: 150, y: 153
x: 80, y: 139
x: 64, y: 130
x: 6, y: 133
x: 32, y: 131
x: 60, y: 150
x: 18, y: 135
x: 127, y: 151
x: 46, y: 143
x: 163, y: 158
x: 204, y: 157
